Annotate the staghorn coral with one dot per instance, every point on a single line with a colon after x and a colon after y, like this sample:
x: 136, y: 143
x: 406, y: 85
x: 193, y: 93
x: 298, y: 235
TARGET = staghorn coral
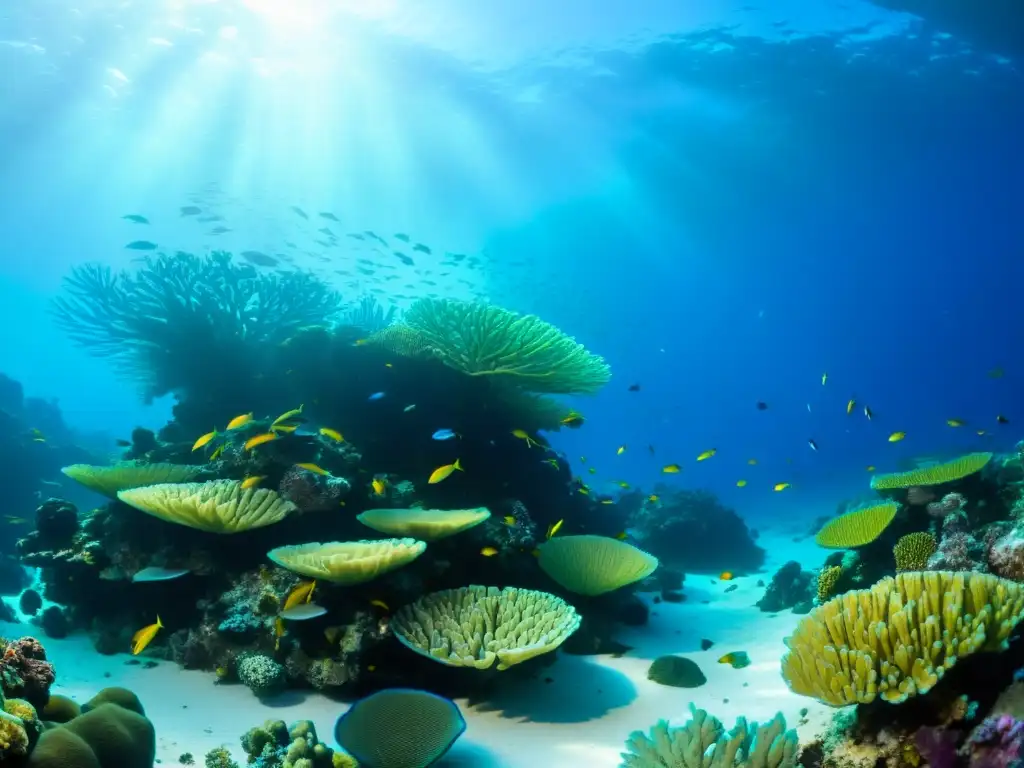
x: 593, y: 565
x: 936, y: 474
x: 163, y: 323
x: 912, y: 551
x: 218, y: 506
x: 477, y: 626
x: 704, y: 743
x: 857, y: 527
x: 485, y: 340
x: 898, y: 638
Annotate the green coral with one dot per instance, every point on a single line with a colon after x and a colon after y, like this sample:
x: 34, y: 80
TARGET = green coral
x: 484, y: 340
x: 936, y: 474
x: 913, y: 550
x: 703, y: 742
x: 219, y: 757
x: 275, y: 745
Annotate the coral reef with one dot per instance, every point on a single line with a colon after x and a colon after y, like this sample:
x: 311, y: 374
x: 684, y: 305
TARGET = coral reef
x: 692, y: 532
x: 790, y: 587
x: 24, y: 671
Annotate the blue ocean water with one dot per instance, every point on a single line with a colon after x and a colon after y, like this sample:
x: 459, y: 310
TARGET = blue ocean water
x: 733, y: 203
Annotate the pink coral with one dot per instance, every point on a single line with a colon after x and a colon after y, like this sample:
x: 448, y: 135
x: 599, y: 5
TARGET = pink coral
x: 958, y: 549
x: 950, y: 503
x: 310, y: 491
x: 26, y: 658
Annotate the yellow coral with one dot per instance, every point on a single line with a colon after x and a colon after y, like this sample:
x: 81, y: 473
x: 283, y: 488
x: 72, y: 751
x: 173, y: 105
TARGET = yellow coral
x: 347, y: 562
x: 913, y: 550
x: 856, y: 527
x: 592, y: 565
x: 423, y: 524
x: 219, y: 506
x: 13, y: 737
x: 936, y: 474
x: 827, y: 579
x: 485, y: 340
x: 108, y: 480
x: 898, y: 638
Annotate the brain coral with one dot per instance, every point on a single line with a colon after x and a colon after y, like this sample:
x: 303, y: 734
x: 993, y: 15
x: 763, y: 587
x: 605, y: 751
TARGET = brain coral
x: 898, y: 638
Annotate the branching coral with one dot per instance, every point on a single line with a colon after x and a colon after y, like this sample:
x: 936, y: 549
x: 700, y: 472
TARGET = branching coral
x: 163, y: 324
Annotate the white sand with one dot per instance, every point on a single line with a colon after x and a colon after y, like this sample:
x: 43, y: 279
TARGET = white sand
x: 581, y: 718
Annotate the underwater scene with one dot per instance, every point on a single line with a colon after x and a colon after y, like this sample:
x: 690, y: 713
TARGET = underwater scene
x: 513, y: 384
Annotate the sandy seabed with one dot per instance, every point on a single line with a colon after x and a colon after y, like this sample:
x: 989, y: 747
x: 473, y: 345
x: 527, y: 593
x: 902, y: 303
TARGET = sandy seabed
x: 582, y: 717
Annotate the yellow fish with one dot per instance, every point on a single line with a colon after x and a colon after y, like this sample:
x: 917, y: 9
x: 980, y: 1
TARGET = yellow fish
x: 488, y: 551
x: 780, y: 486
x: 871, y: 467
x: 278, y: 632
x: 380, y: 604
x: 752, y: 462
x: 552, y: 530
x: 591, y: 470
x: 620, y: 450
x: 252, y: 481
x: 607, y: 502
x: 671, y: 469
x: 824, y: 378
x: 622, y: 484
x: 509, y: 520
x: 204, y: 440
x: 584, y: 490
x: 741, y: 483
x: 850, y: 405
x: 332, y: 433
x: 444, y: 471
x: 552, y: 462
x: 217, y: 452
x: 522, y: 435
x: 285, y: 428
x: 145, y: 636
x: 895, y: 437
x: 707, y: 454
x: 726, y: 576
x: 287, y: 416
x: 301, y: 593
x: 260, y: 439
x: 379, y: 486
x: 311, y: 467
x: 240, y: 421
x: 653, y: 498
x: 572, y: 419
x: 954, y: 422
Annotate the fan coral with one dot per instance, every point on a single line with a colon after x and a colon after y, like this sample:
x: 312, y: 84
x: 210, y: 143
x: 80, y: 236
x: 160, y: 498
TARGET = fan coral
x: 163, y: 323
x: 898, y: 638
x: 856, y: 527
x: 477, y: 626
x: 704, y: 743
x: 484, y: 340
x: 913, y: 550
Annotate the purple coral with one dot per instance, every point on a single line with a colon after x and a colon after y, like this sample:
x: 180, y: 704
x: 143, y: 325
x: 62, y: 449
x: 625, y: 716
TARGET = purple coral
x: 996, y: 743
x: 312, y: 492
x: 950, y: 504
x: 958, y: 550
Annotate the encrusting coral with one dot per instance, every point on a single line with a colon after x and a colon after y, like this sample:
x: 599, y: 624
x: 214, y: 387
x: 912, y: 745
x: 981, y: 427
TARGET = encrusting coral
x: 477, y: 626
x: 217, y: 506
x: 703, y: 742
x: 593, y: 565
x: 857, y: 527
x: 898, y: 638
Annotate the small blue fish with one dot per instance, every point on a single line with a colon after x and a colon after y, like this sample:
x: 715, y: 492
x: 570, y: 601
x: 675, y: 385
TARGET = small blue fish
x: 376, y: 396
x: 443, y: 434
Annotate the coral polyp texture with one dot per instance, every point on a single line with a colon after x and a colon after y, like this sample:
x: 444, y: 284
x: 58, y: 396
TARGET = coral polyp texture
x: 703, y: 742
x: 912, y: 551
x: 423, y: 524
x: 219, y: 506
x: 826, y: 582
x: 898, y: 638
x: 857, y: 527
x: 347, y: 562
x: 109, y: 480
x: 479, y: 626
x: 592, y: 565
x: 484, y: 340
x: 936, y: 474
